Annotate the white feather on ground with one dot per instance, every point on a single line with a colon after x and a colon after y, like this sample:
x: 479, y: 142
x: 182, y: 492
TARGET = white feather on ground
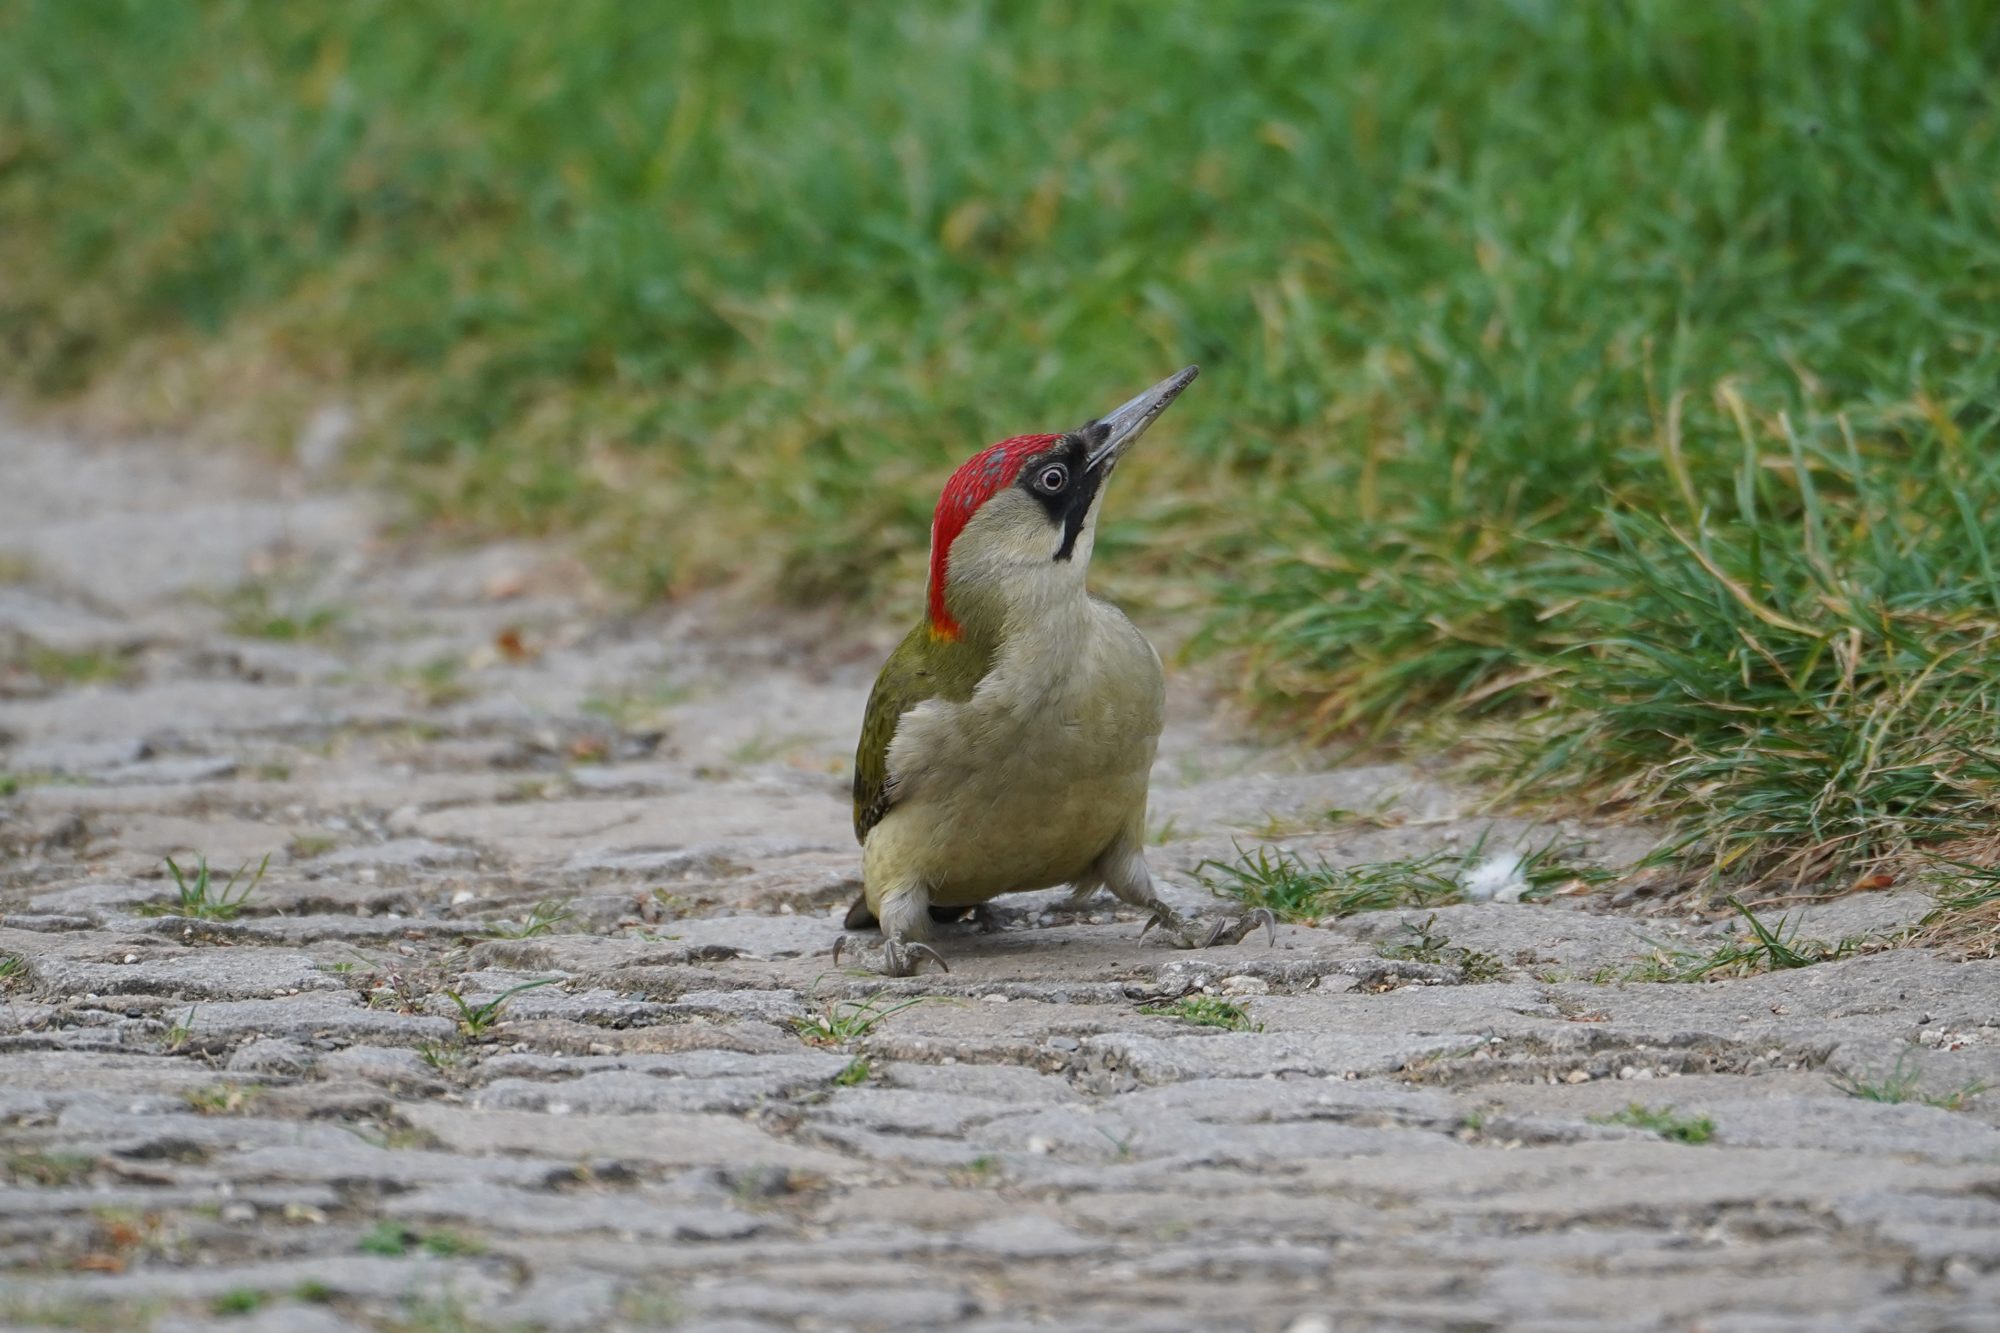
x: 1497, y: 879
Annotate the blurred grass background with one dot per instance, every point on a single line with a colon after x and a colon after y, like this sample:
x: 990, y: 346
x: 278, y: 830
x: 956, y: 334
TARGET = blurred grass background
x: 1613, y: 382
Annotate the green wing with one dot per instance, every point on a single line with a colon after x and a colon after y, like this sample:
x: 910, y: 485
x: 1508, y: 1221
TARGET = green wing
x: 922, y: 667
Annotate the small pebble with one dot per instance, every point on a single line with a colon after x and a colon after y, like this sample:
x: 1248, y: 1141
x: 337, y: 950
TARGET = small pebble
x: 1040, y: 1145
x: 996, y: 998
x: 1064, y: 1043
x: 1577, y: 1076
x: 131, y: 957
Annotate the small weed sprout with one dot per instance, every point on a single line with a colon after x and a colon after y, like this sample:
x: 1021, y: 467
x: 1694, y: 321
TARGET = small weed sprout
x: 1767, y: 949
x: 261, y: 609
x: 542, y: 918
x: 48, y: 1169
x: 1122, y: 1146
x: 238, y: 1300
x: 856, y: 1073
x: 441, y: 1057
x: 181, y: 1033
x: 1208, y: 1011
x: 451, y: 1244
x: 390, y: 1240
x: 1421, y: 944
x: 199, y: 898
x: 1899, y: 1085
x: 13, y: 968
x: 393, y: 1240
x: 1664, y: 1121
x: 475, y: 1019
x: 436, y: 683
x: 1283, y: 881
x: 837, y: 1022
x: 223, y: 1098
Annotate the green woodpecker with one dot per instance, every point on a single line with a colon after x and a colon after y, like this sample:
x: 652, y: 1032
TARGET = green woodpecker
x: 1009, y: 738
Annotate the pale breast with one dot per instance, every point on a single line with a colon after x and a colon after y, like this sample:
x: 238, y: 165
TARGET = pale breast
x: 1024, y: 784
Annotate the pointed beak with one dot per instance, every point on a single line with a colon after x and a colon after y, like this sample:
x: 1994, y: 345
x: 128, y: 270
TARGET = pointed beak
x: 1109, y: 435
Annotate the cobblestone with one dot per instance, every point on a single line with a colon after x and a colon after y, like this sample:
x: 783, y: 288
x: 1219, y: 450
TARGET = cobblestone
x: 518, y: 1029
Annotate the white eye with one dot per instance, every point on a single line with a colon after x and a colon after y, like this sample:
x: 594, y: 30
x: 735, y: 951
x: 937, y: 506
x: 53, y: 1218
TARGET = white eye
x: 1054, y: 477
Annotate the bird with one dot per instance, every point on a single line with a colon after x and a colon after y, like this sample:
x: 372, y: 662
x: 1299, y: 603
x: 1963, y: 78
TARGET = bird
x: 1008, y: 742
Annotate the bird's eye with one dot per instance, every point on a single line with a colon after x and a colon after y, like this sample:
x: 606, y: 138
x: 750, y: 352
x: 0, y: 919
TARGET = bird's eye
x: 1054, y: 477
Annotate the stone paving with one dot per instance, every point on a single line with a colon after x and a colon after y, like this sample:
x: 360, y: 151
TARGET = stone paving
x: 509, y: 1032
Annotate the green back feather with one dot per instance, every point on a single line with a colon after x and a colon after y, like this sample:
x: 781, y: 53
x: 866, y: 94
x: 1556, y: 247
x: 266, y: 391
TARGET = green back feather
x: 922, y: 667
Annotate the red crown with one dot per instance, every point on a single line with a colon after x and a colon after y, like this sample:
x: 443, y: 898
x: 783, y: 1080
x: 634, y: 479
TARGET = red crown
x: 977, y: 480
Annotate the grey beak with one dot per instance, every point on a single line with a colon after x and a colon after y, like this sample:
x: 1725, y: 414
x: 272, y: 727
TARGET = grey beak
x: 1109, y: 435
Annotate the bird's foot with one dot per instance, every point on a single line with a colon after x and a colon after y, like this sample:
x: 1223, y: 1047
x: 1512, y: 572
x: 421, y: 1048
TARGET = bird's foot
x: 1195, y: 932
x: 892, y: 958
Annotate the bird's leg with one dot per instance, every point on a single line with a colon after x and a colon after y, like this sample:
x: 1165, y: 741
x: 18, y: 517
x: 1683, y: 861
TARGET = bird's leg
x: 906, y: 927
x: 1081, y: 892
x: 1128, y: 876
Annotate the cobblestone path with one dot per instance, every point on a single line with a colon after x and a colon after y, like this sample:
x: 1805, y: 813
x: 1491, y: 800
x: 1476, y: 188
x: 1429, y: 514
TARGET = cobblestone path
x: 508, y: 1033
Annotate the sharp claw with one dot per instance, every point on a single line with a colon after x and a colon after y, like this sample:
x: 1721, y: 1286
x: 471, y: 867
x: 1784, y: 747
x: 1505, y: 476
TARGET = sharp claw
x: 1158, y: 918
x: 925, y: 951
x: 1215, y: 935
x: 838, y: 945
x: 1270, y: 920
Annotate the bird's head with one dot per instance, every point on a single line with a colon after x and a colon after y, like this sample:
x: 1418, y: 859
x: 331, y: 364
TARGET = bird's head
x: 1018, y: 519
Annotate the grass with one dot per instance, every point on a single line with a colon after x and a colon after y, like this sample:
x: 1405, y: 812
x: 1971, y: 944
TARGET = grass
x: 199, y: 898
x: 83, y: 1315
x: 13, y: 968
x: 857, y: 1072
x: 1967, y: 916
x: 444, y: 1059
x: 1207, y: 1011
x: 1612, y: 379
x: 394, y: 1240
x: 238, y: 1300
x: 1301, y: 890
x: 1296, y: 890
x: 306, y: 846
x: 475, y: 1019
x: 436, y: 682
x: 223, y: 1098
x: 1901, y: 1084
x: 50, y: 1169
x: 836, y: 1022
x: 1766, y: 948
x: 634, y: 708
x: 1425, y: 944
x: 1664, y: 1121
x: 84, y: 666
x: 180, y: 1033
x: 541, y: 919
x: 259, y: 610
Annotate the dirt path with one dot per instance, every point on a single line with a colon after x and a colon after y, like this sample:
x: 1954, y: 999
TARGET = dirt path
x: 280, y: 1117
